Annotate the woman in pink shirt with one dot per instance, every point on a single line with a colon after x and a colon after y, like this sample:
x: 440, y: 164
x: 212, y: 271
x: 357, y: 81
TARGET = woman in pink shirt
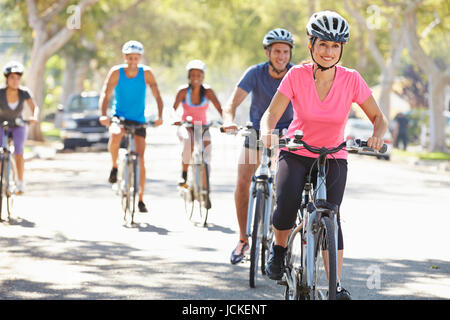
x: 194, y: 99
x: 321, y: 94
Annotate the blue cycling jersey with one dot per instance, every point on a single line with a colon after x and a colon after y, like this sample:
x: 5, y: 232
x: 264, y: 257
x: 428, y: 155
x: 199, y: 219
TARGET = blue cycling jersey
x: 263, y: 87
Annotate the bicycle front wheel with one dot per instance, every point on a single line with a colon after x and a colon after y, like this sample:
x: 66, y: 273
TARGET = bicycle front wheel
x: 205, y: 195
x: 267, y: 243
x: 2, y: 184
x: 294, y: 258
x: 10, y: 181
x: 132, y: 190
x: 325, y: 262
x: 257, y: 234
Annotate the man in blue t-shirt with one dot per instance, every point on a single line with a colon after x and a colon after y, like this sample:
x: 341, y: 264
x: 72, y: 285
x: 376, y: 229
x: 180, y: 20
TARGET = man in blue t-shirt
x: 262, y: 81
x: 129, y: 83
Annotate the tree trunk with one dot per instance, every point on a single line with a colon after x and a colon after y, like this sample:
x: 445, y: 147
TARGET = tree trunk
x: 384, y: 100
x: 44, y: 46
x: 437, y: 81
x: 73, y: 77
x: 437, y: 124
x: 387, y: 65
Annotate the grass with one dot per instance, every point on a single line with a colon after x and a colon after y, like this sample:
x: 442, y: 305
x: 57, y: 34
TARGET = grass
x: 423, y: 155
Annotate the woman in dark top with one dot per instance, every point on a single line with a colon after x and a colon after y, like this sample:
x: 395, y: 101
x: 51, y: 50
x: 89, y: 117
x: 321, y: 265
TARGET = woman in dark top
x: 12, y: 107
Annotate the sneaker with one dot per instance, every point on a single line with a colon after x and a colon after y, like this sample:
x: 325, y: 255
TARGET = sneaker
x: 238, y: 254
x: 342, y: 294
x: 207, y: 202
x: 20, y: 187
x: 275, y: 264
x: 182, y: 182
x: 113, y: 176
x: 142, y: 207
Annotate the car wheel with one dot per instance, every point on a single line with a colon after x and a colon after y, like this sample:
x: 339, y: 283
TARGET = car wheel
x: 69, y: 144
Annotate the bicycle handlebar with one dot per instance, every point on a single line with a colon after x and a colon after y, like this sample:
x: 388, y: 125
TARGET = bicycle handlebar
x: 18, y: 122
x: 352, y: 146
x: 121, y: 122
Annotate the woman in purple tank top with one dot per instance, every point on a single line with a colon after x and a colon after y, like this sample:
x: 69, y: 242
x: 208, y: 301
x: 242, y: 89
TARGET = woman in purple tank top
x: 195, y: 99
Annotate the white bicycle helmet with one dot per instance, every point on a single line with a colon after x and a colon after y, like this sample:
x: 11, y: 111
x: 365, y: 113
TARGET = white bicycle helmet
x: 133, y: 46
x: 196, y: 64
x: 278, y: 35
x: 328, y: 26
x: 13, y: 67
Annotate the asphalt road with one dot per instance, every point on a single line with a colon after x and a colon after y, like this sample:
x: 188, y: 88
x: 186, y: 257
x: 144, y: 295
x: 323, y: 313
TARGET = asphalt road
x: 67, y: 239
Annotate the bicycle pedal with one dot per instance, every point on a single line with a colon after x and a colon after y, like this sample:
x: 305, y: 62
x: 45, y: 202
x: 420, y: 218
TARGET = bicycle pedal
x: 282, y: 282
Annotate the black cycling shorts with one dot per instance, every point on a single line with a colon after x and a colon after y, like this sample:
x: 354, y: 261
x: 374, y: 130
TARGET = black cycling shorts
x: 141, y: 132
x: 290, y: 181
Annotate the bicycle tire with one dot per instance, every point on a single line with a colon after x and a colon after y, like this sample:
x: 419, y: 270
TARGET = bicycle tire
x: 205, y: 193
x: 257, y: 234
x: 2, y: 175
x: 188, y: 194
x: 294, y: 257
x: 198, y: 189
x: 11, y: 185
x: 131, y: 192
x: 267, y: 243
x: 325, y: 287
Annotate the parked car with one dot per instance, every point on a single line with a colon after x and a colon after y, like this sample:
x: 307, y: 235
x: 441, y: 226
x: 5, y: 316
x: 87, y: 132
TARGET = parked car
x: 78, y: 121
x: 362, y: 129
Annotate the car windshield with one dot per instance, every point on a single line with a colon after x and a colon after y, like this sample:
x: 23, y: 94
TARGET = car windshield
x: 80, y: 104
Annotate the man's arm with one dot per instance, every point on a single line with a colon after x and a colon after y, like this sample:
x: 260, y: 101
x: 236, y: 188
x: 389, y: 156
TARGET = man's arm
x: 108, y: 87
x: 151, y: 82
x: 229, y: 112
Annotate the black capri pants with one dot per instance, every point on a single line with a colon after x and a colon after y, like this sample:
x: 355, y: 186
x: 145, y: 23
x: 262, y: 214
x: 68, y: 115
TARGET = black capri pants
x: 290, y: 181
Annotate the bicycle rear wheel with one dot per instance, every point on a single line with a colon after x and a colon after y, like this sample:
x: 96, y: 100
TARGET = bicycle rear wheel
x: 257, y: 234
x: 325, y: 262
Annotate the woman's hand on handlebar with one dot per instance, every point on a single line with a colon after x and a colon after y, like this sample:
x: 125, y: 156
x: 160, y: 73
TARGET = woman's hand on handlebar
x: 375, y: 143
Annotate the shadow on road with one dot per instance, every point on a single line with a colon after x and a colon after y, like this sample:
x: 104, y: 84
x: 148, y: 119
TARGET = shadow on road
x: 17, y: 221
x: 388, y: 279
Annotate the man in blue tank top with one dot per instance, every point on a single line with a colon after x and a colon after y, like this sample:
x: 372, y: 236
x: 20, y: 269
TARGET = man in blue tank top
x: 129, y: 83
x: 262, y: 82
